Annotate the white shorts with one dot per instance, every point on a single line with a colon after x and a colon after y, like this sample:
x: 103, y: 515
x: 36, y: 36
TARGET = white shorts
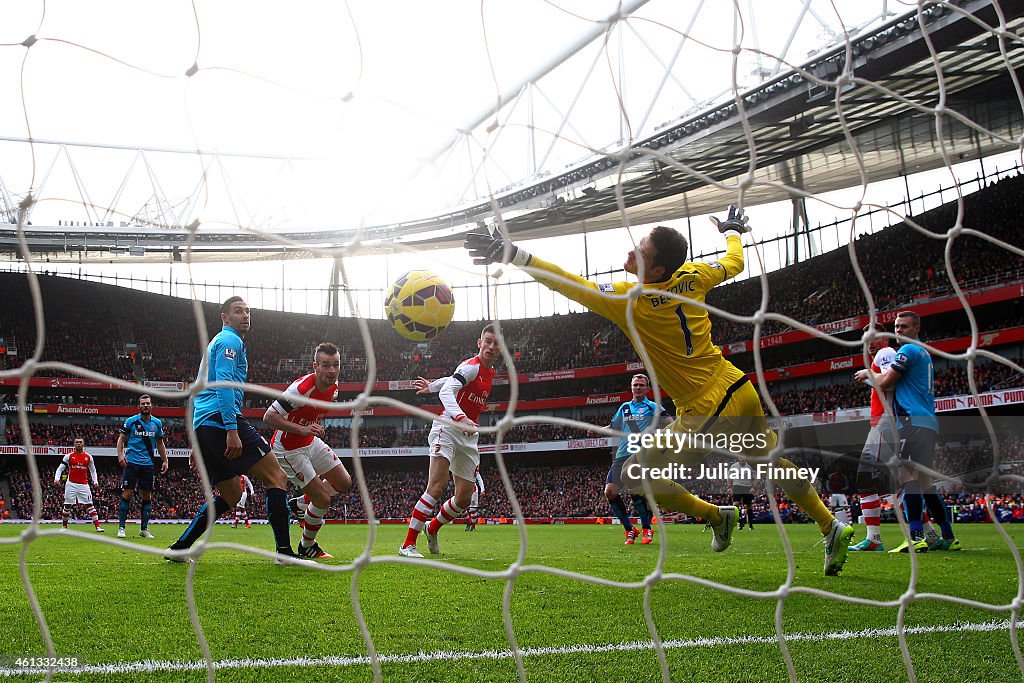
x: 457, y: 447
x: 243, y: 500
x: 478, y: 489
x: 77, y: 493
x: 840, y: 507
x: 304, y: 464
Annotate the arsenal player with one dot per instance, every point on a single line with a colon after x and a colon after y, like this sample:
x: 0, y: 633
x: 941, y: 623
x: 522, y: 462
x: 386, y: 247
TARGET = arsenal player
x: 453, y: 449
x: 81, y: 470
x: 311, y: 465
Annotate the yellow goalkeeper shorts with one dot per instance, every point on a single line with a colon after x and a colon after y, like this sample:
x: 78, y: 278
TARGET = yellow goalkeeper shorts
x: 728, y: 417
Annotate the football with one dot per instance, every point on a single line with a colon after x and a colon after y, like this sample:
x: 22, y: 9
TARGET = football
x: 419, y: 305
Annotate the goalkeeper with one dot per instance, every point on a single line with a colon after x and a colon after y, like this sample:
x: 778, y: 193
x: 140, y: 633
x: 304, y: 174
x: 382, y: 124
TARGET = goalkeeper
x: 712, y: 396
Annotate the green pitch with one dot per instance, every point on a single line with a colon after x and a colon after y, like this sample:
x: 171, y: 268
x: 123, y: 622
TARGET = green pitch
x: 111, y: 606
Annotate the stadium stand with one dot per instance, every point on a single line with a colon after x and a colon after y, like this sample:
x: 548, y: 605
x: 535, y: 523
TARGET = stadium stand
x: 134, y: 335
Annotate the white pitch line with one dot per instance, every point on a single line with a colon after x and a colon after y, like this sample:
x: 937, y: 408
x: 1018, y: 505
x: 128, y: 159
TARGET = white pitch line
x: 151, y: 666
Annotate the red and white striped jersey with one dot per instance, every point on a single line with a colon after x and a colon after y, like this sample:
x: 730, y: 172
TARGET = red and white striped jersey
x: 881, y: 362
x: 466, y: 391
x: 79, y: 466
x: 301, y: 414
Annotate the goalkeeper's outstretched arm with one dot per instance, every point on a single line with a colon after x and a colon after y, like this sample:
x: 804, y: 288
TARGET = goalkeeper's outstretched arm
x: 487, y: 249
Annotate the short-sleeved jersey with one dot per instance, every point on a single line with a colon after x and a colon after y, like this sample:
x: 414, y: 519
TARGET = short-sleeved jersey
x: 141, y: 437
x: 476, y: 387
x: 226, y: 362
x: 633, y: 417
x: 879, y: 364
x: 675, y: 332
x: 915, y: 391
x: 78, y: 466
x: 246, y: 484
x: 301, y: 414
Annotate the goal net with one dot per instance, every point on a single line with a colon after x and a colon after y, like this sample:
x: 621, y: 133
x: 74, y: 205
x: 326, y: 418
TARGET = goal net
x: 881, y: 139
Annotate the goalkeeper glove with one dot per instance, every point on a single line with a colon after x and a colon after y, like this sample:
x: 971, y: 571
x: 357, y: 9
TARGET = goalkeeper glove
x: 735, y: 223
x: 486, y: 249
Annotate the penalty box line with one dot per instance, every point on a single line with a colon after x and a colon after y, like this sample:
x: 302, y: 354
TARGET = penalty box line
x: 153, y: 666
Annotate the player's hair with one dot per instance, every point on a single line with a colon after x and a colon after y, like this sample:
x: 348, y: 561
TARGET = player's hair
x: 326, y: 348
x: 487, y: 328
x: 145, y: 396
x: 225, y: 307
x: 640, y: 374
x: 878, y: 327
x: 910, y: 314
x: 670, y: 249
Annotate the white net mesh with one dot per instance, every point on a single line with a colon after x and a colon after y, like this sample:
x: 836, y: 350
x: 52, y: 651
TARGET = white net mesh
x: 745, y: 164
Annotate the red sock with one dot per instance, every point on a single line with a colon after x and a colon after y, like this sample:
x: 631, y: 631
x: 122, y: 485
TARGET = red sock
x: 424, y: 506
x: 449, y: 511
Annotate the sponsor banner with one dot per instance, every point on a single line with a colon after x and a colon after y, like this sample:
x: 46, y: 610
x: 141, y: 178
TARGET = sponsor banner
x: 597, y: 442
x: 45, y: 450
x: 946, y: 404
x: 841, y: 326
x: 942, y: 405
x: 607, y: 398
x: 403, y: 452
x: 524, y: 447
x: 13, y: 408
x: 944, y: 305
x: 1006, y: 336
x: 58, y: 383
x: 64, y: 409
x: 992, y: 398
x: 156, y: 384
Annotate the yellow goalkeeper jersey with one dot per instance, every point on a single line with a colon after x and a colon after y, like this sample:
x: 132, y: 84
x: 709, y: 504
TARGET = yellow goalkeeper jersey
x: 676, y: 334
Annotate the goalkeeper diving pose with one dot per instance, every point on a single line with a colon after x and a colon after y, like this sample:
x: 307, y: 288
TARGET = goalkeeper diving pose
x: 712, y: 396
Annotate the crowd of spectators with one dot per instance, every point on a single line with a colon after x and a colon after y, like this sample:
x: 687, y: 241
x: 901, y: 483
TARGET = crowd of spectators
x: 951, y: 381
x: 899, y: 263
x: 383, y: 436
x: 543, y: 491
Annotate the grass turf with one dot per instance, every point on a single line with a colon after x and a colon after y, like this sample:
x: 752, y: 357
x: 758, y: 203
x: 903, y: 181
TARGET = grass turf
x: 107, y: 604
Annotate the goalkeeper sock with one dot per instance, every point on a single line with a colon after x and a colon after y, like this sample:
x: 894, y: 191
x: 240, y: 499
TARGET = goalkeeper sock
x: 122, y: 513
x: 618, y: 507
x: 642, y: 511
x: 147, y: 510
x: 199, y: 523
x: 803, y: 494
x: 681, y: 500
x: 277, y: 515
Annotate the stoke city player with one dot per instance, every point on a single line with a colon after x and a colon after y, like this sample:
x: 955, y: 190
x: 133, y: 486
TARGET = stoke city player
x: 140, y: 440
x: 229, y: 445
x: 632, y: 417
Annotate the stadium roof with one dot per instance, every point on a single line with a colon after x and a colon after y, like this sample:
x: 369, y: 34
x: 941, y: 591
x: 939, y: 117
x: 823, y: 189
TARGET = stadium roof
x: 884, y: 126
